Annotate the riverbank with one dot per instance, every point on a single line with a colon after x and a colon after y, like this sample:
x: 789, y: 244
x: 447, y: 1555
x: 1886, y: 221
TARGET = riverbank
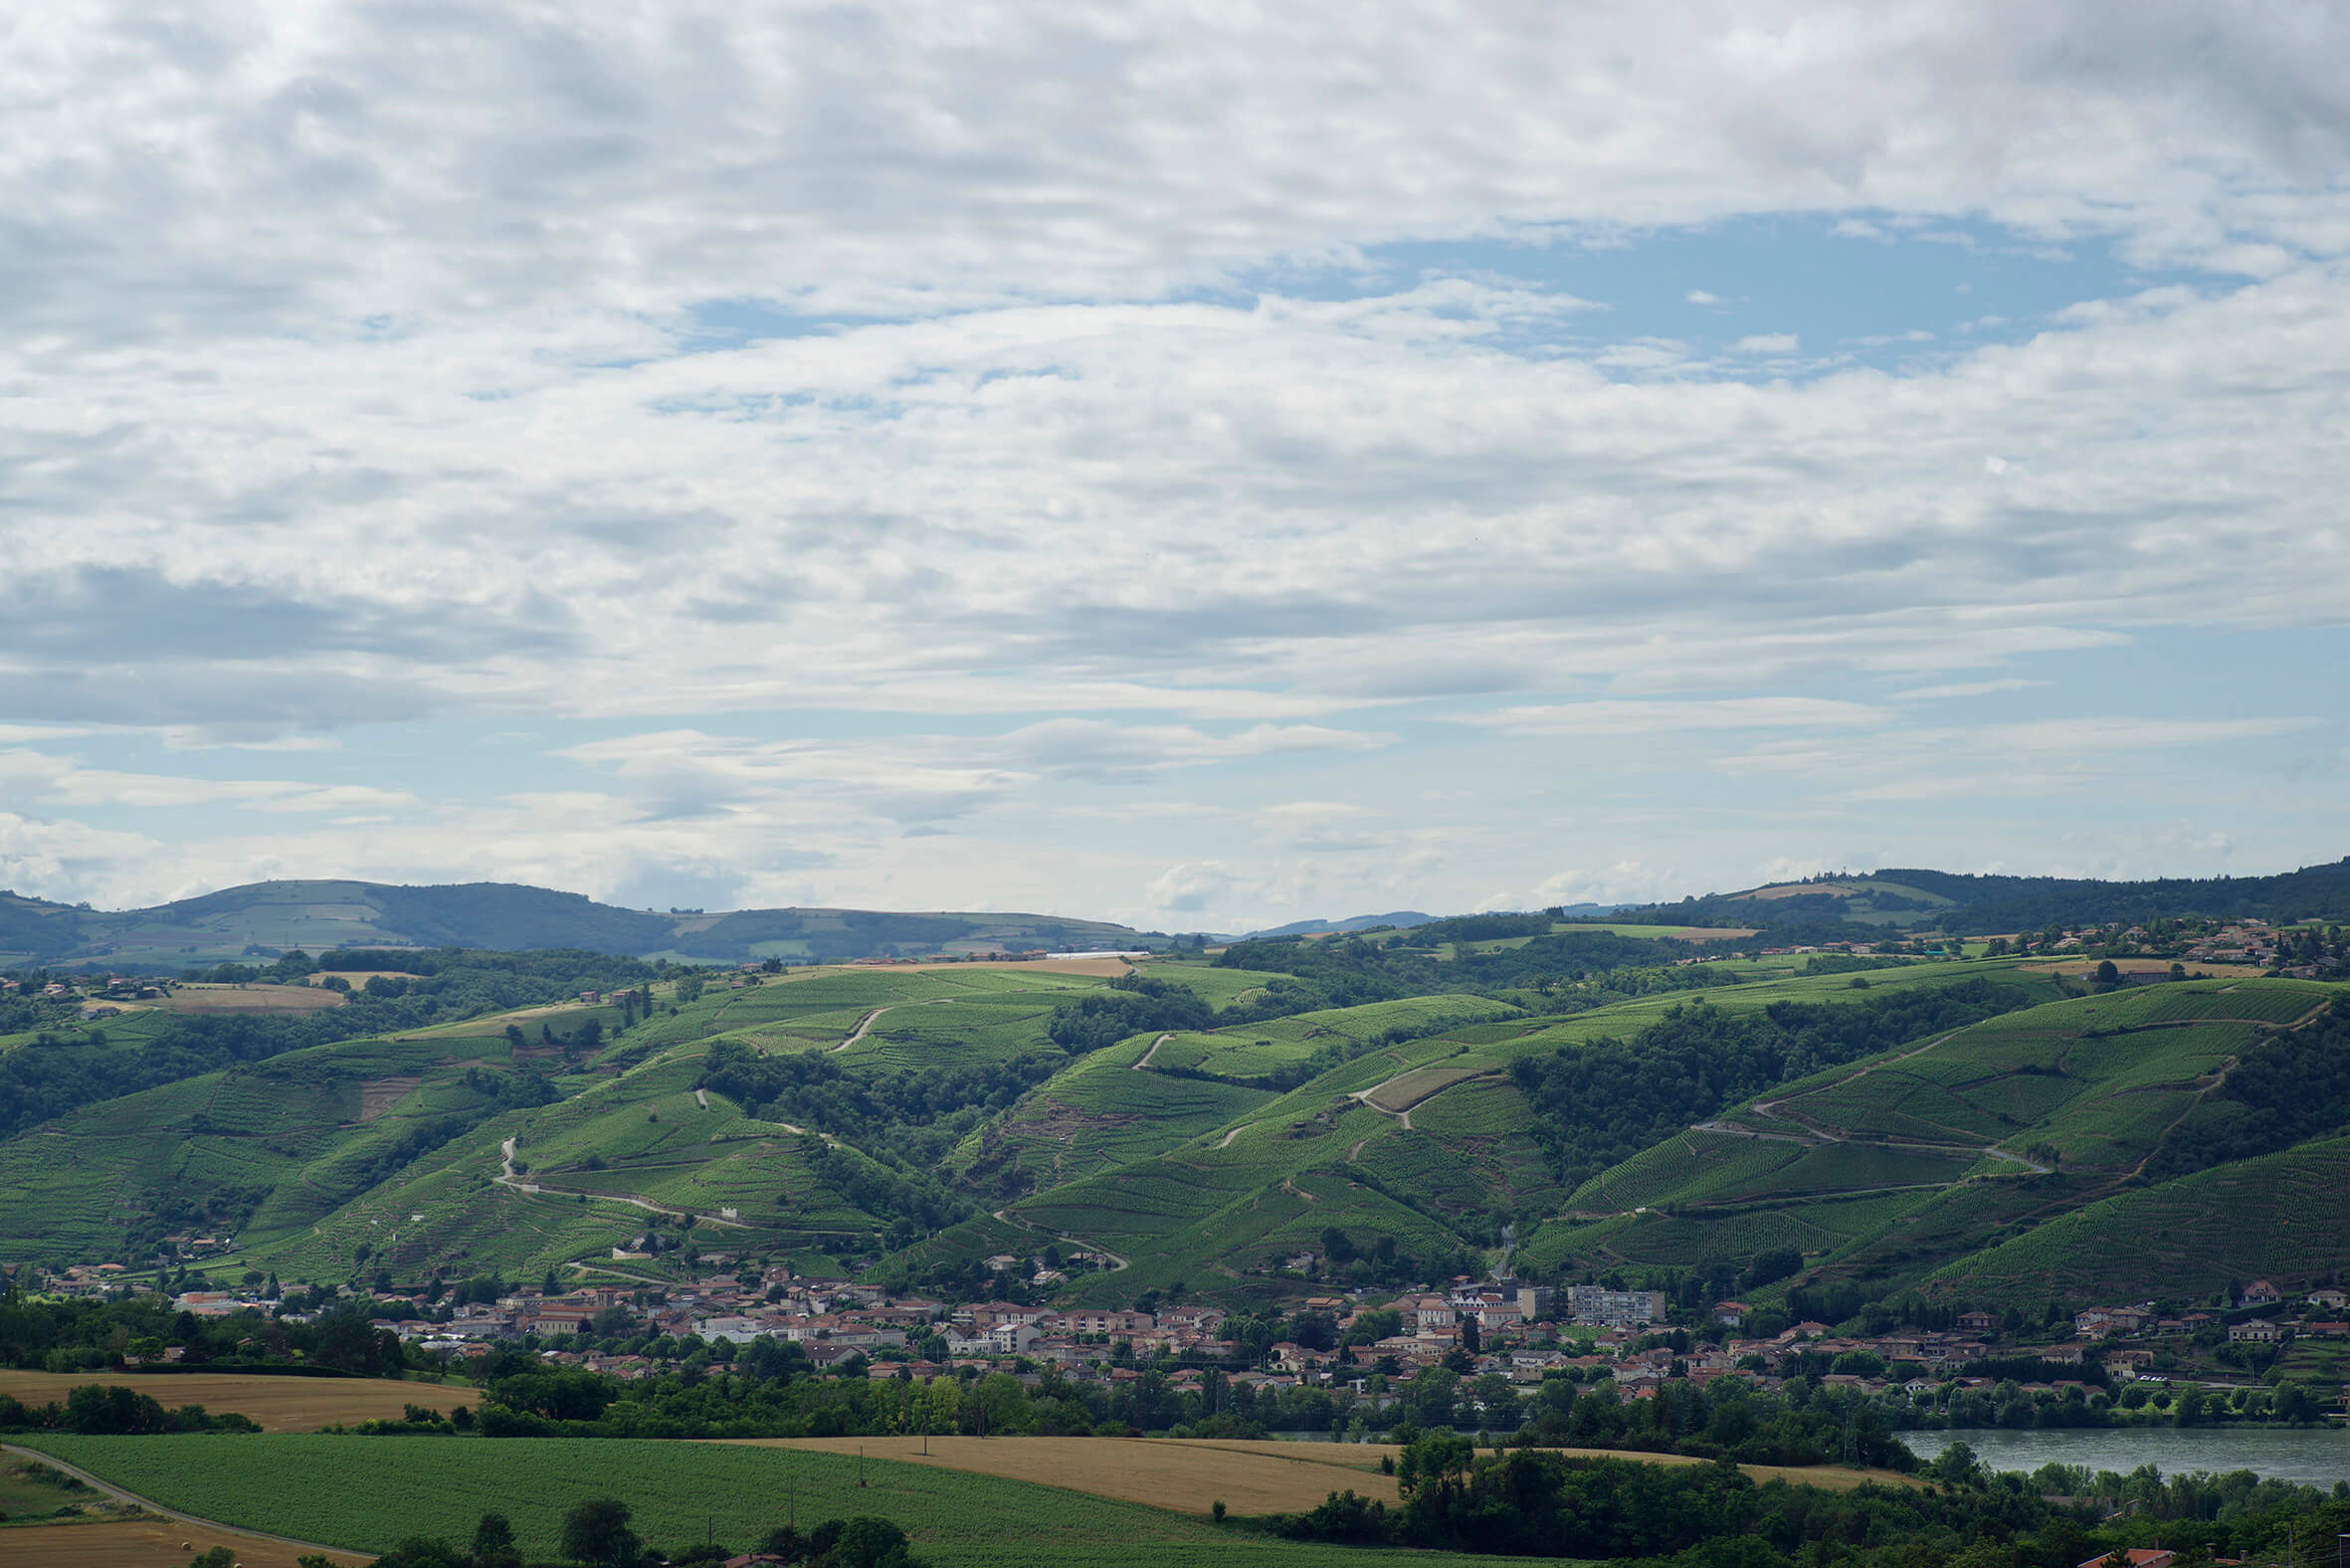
x: 2306, y: 1455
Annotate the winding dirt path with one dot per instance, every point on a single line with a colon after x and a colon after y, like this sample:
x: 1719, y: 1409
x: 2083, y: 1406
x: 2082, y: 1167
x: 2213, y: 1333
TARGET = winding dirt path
x: 1153, y: 1050
x: 1005, y: 1217
x: 101, y: 1484
x: 531, y: 1189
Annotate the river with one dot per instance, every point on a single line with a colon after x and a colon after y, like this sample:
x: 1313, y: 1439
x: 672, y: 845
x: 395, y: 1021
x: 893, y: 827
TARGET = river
x: 2312, y: 1456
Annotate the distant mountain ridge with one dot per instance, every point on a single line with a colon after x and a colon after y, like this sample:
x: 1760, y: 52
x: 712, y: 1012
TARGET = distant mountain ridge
x: 265, y: 919
x: 1402, y: 919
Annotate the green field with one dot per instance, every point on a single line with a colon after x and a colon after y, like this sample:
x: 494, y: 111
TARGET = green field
x: 365, y: 1493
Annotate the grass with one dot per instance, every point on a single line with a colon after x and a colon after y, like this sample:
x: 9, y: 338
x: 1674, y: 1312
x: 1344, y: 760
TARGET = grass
x: 279, y: 1404
x: 364, y: 1493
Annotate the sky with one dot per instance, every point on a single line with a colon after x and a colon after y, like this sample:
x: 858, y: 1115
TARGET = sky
x: 1194, y: 466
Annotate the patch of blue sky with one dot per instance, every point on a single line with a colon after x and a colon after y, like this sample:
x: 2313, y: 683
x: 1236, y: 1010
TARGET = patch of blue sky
x: 715, y: 326
x: 1750, y: 298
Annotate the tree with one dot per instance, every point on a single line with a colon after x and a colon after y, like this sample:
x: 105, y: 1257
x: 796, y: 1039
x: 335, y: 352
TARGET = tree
x: 867, y: 1542
x: 595, y: 1532
x: 493, y: 1544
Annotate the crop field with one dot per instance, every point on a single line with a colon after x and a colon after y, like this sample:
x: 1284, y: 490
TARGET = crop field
x: 364, y: 1493
x: 1220, y: 987
x: 1099, y: 1112
x: 280, y: 1403
x: 994, y: 1028
x: 1487, y: 1108
x: 1185, y: 1474
x: 2278, y: 1215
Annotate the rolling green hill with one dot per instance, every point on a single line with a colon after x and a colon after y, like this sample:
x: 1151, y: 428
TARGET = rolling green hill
x: 1898, y: 1167
x: 1647, y: 1118
x: 1209, y: 1158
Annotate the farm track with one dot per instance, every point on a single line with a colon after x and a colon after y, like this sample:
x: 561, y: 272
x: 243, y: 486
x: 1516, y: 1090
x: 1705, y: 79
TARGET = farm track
x: 1153, y: 1050
x: 864, y: 1025
x: 150, y: 1505
x: 1816, y: 1132
x: 508, y: 1179
x: 1005, y: 1217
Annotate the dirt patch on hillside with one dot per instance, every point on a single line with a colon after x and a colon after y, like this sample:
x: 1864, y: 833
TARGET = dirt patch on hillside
x: 1061, y: 1123
x: 378, y: 1095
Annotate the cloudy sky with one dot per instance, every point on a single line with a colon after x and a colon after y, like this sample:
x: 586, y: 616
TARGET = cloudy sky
x: 1195, y: 465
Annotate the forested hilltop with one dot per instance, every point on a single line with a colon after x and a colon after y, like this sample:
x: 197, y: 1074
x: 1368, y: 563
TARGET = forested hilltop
x: 1917, y: 899
x: 265, y: 920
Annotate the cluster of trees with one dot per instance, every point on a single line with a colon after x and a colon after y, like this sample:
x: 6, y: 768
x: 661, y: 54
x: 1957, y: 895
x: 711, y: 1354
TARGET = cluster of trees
x: 600, y: 1533
x: 915, y: 1116
x: 1525, y: 1501
x: 1601, y: 1103
x: 109, y: 1409
x: 1129, y: 1005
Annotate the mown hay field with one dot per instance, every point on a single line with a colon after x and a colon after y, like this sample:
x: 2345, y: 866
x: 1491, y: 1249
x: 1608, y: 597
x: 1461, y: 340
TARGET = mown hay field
x: 141, y: 1543
x: 279, y: 1404
x: 257, y: 998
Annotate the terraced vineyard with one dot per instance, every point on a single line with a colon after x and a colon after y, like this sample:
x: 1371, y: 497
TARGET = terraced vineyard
x: 1893, y: 1166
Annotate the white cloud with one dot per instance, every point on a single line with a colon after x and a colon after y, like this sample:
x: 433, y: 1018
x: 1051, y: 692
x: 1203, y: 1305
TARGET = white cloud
x: 376, y: 382
x: 1612, y: 717
x: 1931, y: 693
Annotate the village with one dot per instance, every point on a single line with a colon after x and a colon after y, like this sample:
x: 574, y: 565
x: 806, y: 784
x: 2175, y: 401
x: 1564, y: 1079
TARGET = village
x: 1493, y: 1332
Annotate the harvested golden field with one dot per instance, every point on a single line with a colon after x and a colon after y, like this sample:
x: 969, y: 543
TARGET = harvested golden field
x: 280, y: 1403
x: 253, y: 998
x: 1191, y: 1475
x: 143, y: 1543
